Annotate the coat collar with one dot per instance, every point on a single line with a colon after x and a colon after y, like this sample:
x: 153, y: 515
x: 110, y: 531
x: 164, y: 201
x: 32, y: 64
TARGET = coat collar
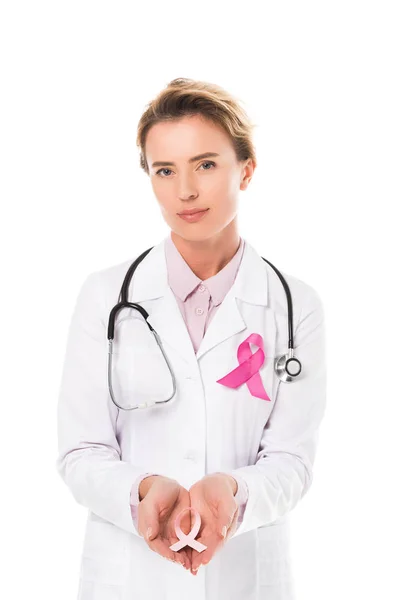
x: 250, y: 285
x: 150, y: 283
x: 183, y: 281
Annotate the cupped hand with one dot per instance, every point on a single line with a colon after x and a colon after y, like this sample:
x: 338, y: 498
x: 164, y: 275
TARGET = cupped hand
x: 214, y: 499
x: 159, y: 508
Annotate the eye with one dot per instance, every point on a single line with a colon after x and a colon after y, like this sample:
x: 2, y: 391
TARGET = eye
x: 208, y: 162
x: 164, y: 169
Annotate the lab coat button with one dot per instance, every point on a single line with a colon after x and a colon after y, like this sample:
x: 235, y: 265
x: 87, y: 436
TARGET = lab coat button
x: 190, y: 456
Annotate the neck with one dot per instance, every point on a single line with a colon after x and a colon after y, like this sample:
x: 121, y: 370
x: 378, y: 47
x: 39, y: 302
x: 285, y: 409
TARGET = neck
x: 208, y: 256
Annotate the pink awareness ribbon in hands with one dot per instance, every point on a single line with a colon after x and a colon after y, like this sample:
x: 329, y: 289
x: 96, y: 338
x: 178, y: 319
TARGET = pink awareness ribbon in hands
x: 189, y: 539
x: 248, y: 369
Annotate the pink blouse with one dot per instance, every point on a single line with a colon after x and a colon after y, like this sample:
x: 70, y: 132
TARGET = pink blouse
x: 198, y: 302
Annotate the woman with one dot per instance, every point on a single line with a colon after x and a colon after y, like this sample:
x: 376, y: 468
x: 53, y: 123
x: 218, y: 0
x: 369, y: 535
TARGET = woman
x: 240, y: 453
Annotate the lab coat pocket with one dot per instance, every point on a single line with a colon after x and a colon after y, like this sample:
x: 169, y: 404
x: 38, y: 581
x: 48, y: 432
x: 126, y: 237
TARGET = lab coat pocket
x: 105, y: 556
x: 274, y: 555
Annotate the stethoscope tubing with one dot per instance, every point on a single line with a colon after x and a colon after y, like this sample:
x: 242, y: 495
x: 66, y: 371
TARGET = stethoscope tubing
x: 281, y: 363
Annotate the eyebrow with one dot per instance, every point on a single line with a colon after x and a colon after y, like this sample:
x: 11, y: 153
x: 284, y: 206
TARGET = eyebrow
x: 161, y: 163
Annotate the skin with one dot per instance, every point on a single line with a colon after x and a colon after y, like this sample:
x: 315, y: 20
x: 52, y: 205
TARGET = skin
x: 208, y: 245
x: 212, y: 182
x: 213, y: 498
x: 162, y: 499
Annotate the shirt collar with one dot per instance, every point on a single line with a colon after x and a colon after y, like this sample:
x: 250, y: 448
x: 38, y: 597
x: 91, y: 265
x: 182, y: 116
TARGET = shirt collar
x: 183, y: 281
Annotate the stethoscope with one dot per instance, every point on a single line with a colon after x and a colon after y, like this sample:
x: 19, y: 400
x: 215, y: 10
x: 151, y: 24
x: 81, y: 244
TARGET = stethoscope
x: 287, y: 367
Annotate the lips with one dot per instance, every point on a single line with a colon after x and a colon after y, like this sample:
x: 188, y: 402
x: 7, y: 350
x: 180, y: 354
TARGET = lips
x: 193, y: 211
x: 194, y: 216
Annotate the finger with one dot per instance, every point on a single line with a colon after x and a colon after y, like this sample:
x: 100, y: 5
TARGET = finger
x: 226, y: 523
x: 148, y: 524
x: 186, y: 528
x: 188, y: 555
x: 214, y: 542
x: 179, y: 558
x: 204, y: 557
x: 161, y: 546
x: 164, y: 548
x: 184, y: 555
x: 233, y: 527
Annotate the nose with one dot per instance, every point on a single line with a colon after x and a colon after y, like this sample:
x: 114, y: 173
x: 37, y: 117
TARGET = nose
x: 186, y: 200
x: 187, y: 196
x: 187, y: 188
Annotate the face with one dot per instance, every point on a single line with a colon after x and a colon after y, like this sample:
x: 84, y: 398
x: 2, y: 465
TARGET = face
x: 211, y: 182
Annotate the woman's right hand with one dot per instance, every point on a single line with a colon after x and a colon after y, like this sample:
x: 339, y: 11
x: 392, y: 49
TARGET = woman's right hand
x: 164, y: 500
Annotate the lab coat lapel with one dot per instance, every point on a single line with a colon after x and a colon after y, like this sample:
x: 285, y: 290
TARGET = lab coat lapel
x: 167, y: 320
x: 226, y: 322
x: 150, y: 288
x: 251, y: 286
x: 150, y: 282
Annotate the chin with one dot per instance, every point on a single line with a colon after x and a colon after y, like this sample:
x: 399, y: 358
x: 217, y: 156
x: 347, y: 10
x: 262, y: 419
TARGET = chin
x: 193, y: 236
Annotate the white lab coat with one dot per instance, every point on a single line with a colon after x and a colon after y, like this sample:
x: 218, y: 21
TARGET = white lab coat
x: 206, y: 427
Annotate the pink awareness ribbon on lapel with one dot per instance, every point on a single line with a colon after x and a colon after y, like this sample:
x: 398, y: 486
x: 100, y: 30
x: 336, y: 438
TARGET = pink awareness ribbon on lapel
x: 248, y: 369
x: 188, y: 539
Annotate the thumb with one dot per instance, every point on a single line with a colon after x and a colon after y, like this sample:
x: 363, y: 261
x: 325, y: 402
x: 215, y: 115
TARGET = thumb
x: 150, y: 533
x: 224, y: 524
x: 222, y: 528
x: 152, y: 526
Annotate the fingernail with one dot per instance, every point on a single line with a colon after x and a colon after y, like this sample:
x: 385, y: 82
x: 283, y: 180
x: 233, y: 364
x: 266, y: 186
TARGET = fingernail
x: 224, y: 531
x: 149, y: 530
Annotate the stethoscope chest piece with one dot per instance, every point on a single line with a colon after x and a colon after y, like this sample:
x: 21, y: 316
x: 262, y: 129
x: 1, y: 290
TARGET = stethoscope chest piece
x: 287, y: 367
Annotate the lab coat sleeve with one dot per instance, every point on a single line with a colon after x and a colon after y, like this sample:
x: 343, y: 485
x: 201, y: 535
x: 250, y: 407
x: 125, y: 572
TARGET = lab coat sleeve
x: 283, y: 471
x: 89, y: 456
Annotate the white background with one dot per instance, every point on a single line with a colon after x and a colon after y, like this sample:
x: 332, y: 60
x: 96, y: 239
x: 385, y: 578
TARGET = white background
x: 321, y: 81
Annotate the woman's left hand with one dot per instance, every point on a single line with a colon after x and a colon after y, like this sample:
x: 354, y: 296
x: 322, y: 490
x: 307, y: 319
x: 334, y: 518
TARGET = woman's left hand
x: 213, y: 498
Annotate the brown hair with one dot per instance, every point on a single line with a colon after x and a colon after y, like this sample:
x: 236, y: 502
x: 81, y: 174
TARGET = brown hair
x: 184, y: 97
